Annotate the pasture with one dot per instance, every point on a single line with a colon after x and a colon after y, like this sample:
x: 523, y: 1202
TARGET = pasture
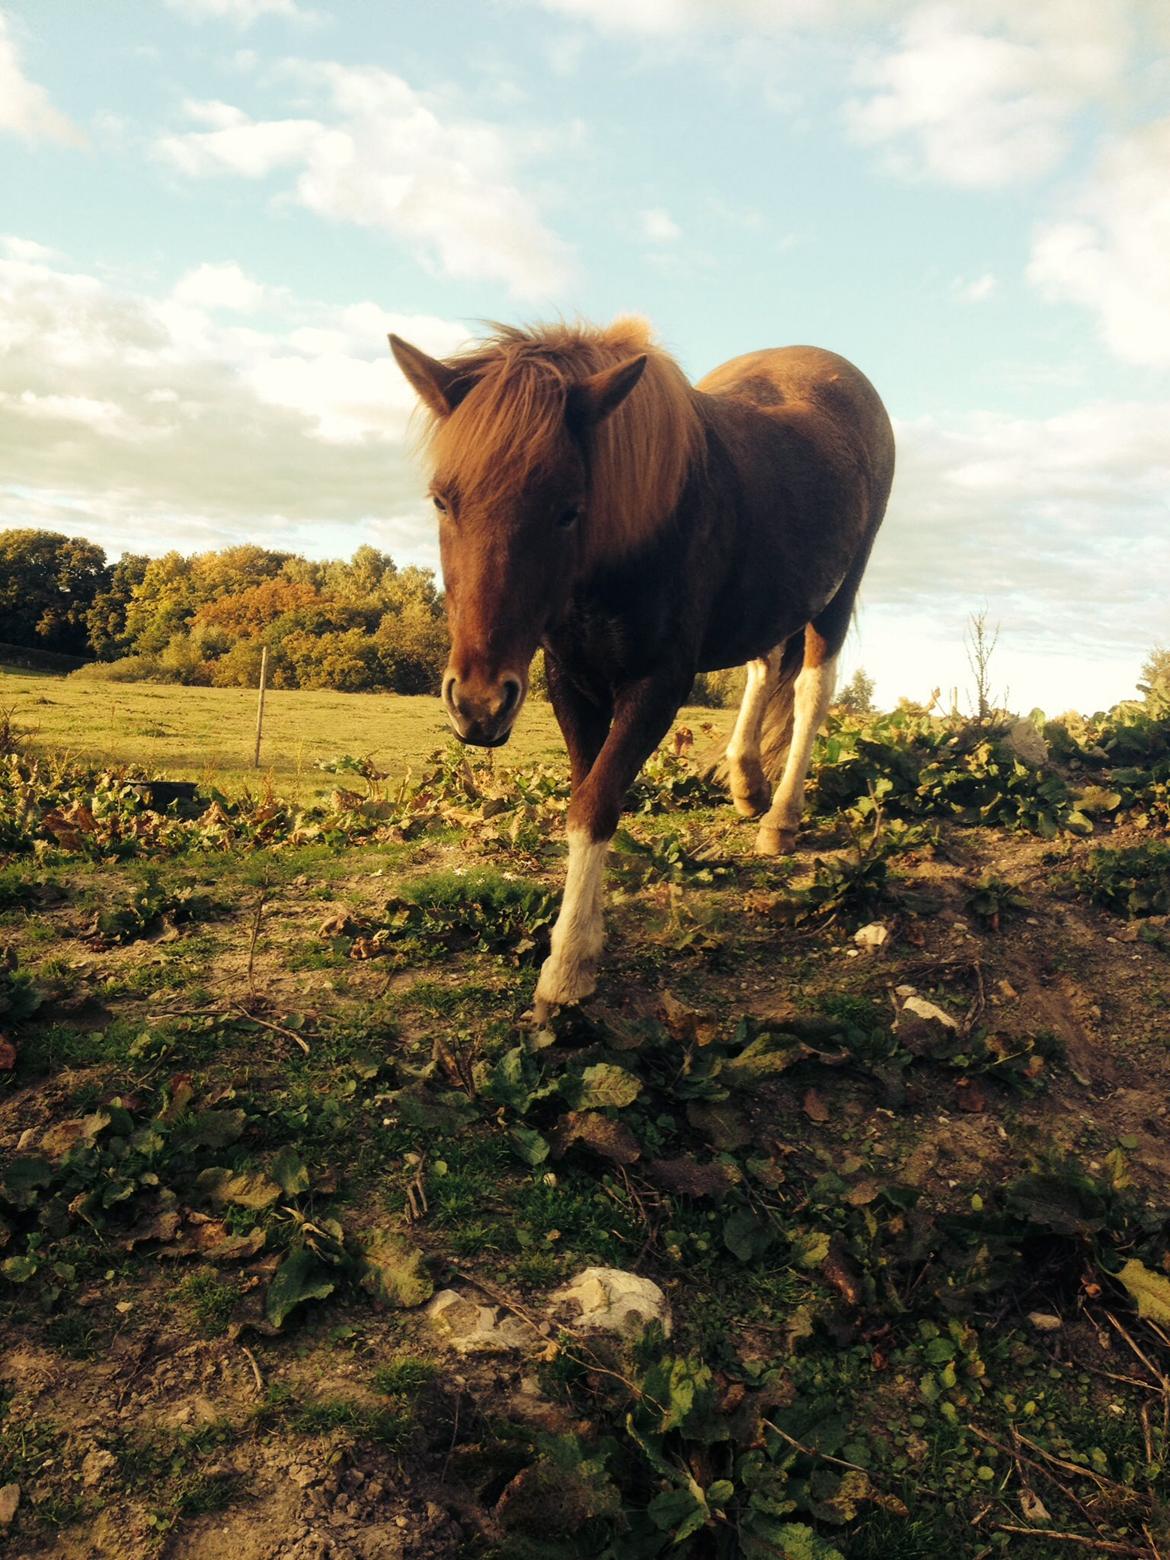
x: 267, y: 1090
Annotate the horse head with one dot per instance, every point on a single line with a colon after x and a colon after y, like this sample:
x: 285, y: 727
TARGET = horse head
x: 510, y: 441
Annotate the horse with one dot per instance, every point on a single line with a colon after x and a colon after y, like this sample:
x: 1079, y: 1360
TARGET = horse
x: 592, y: 502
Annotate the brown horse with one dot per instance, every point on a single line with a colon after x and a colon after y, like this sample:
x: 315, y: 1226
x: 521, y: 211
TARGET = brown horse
x: 590, y: 500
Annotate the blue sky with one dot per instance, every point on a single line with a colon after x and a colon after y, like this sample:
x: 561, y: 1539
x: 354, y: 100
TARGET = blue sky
x: 213, y: 210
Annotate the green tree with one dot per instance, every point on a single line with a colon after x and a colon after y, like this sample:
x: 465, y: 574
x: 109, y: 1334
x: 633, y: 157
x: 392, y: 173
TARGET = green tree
x: 48, y: 583
x: 105, y: 621
x: 1154, y: 681
x: 856, y: 697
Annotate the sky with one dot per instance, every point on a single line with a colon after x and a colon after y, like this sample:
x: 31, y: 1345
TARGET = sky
x: 212, y: 212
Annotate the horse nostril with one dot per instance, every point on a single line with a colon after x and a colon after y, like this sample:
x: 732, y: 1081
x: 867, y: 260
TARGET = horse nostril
x: 511, y: 696
x: 450, y: 697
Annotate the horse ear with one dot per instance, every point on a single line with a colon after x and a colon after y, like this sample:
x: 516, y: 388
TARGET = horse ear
x: 592, y: 400
x: 439, y: 385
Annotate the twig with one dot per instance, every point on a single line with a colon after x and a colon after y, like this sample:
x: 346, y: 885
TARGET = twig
x: 1070, y: 1467
x: 1105, y: 1545
x: 1153, y: 1369
x: 277, y: 1029
x: 1151, y: 1542
x: 251, y: 1359
x: 811, y: 1451
x: 252, y: 944
x: 1018, y: 1457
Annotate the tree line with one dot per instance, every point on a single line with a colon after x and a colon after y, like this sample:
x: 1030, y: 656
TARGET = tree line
x: 204, y: 618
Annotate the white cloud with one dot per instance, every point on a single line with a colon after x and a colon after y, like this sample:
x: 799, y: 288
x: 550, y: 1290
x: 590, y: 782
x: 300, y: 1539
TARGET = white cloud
x: 975, y: 289
x: 151, y: 422
x: 1049, y: 518
x: 223, y: 286
x: 26, y: 248
x: 25, y: 107
x: 241, y: 12
x: 1113, y: 256
x: 981, y: 94
x: 659, y: 226
x: 383, y: 156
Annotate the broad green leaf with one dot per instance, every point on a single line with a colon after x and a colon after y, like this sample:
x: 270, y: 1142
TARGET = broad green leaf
x: 603, y: 1084
x: 22, y: 1178
x: 811, y: 1250
x: 796, y: 1541
x: 246, y: 1189
x: 679, y: 1512
x: 393, y: 1270
x: 746, y: 1236
x: 529, y: 1145
x: 215, y: 1128
x: 288, y: 1170
x: 1149, y: 1291
x: 299, y: 1277
x: 18, y: 1270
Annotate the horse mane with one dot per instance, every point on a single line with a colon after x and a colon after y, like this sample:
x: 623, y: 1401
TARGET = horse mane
x: 510, y: 426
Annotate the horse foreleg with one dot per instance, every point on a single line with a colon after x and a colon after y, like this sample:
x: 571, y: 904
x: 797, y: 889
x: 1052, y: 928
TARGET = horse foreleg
x: 811, y: 697
x: 750, y: 791
x: 642, y: 717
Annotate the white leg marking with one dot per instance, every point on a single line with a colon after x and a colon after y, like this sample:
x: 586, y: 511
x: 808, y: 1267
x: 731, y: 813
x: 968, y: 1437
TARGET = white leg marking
x: 810, y: 704
x: 569, y: 972
x: 746, y: 779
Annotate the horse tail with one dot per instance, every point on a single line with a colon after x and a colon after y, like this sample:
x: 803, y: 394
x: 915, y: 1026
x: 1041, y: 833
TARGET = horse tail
x: 776, y: 724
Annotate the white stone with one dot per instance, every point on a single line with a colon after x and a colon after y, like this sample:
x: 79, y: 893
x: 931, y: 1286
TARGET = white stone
x: 609, y: 1300
x: 921, y: 1008
x: 871, y: 936
x: 471, y: 1328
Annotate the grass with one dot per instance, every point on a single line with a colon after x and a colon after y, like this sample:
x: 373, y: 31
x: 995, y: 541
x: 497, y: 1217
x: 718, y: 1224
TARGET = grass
x: 208, y: 734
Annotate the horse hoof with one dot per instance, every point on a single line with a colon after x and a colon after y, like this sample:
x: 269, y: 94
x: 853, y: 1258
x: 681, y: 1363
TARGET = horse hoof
x: 563, y: 988
x: 771, y: 841
x: 749, y: 806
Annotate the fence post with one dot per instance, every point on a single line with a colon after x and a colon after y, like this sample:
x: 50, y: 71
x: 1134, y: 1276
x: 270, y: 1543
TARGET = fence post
x: 260, y: 704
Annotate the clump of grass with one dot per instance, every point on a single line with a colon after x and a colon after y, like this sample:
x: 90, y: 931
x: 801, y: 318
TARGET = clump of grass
x: 210, y: 1300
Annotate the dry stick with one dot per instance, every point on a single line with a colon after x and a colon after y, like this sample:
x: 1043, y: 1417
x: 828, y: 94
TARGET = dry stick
x: 1071, y: 1467
x: 1105, y: 1545
x: 1153, y: 1369
x: 1018, y: 1457
x: 811, y: 1451
x: 252, y: 945
x: 1150, y: 1541
x: 277, y: 1029
x: 251, y: 1358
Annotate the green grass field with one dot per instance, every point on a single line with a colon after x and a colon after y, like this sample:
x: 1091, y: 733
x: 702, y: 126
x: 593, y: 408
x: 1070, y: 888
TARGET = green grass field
x: 208, y: 734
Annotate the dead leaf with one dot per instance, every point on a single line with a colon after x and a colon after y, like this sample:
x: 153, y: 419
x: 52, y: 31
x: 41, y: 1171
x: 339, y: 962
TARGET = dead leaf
x: 591, y: 1129
x: 973, y: 1096
x: 862, y: 1193
x: 9, y: 1501
x: 7, y: 1054
x: 814, y: 1107
x: 164, y: 1226
x: 1032, y: 1508
x: 838, y: 1268
x: 687, y: 1177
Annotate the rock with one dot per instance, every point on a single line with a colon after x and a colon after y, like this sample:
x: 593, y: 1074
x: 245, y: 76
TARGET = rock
x: 1025, y: 743
x: 96, y: 1465
x: 871, y: 936
x: 919, y: 1007
x: 472, y: 1328
x: 609, y: 1300
x: 1042, y: 1321
x: 9, y: 1501
x: 922, y: 1027
x: 906, y: 991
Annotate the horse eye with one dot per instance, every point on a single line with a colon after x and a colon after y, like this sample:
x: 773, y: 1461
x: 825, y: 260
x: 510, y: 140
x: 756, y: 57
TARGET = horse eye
x: 439, y: 503
x: 569, y: 517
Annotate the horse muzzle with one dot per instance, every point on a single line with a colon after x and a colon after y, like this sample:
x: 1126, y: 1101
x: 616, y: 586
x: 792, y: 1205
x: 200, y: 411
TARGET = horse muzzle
x: 483, y: 713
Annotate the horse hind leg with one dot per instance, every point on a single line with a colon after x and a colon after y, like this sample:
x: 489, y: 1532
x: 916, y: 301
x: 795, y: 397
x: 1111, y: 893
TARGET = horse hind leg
x: 812, y: 695
x: 749, y: 785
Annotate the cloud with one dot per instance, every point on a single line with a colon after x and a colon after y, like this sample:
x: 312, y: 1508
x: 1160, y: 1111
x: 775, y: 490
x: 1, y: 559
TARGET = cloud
x: 1113, y: 255
x: 1049, y: 518
x: 382, y: 155
x: 150, y: 422
x: 220, y: 287
x: 975, y: 289
x: 982, y: 94
x: 25, y: 108
x: 659, y: 226
x: 242, y: 12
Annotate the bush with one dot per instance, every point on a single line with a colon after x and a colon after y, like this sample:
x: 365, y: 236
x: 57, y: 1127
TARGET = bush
x: 127, y: 669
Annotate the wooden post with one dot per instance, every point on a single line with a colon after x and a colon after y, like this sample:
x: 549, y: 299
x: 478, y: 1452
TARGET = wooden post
x: 260, y: 704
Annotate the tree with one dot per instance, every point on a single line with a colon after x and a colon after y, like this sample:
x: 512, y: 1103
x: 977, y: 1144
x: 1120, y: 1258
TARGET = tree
x: 856, y: 697
x: 1154, y: 682
x: 981, y: 640
x: 48, y: 583
x: 105, y: 621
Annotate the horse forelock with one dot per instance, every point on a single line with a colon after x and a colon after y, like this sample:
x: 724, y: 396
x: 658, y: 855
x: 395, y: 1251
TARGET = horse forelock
x: 509, y: 431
